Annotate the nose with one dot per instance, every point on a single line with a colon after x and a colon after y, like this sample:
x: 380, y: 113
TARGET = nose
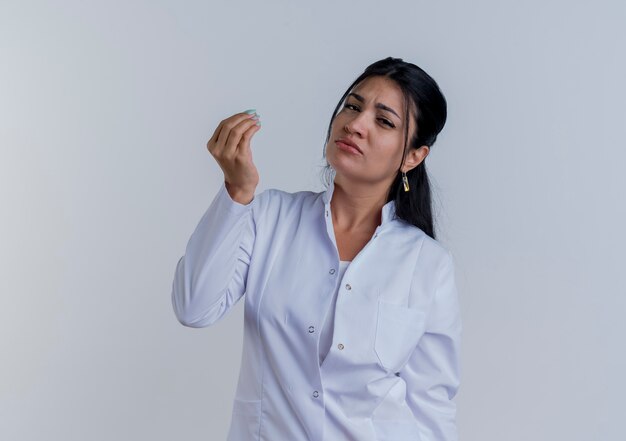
x: 356, y: 124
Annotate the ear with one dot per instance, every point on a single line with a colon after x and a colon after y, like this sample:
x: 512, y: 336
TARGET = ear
x: 414, y: 157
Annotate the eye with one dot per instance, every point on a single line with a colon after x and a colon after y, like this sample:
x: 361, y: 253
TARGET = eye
x: 384, y: 121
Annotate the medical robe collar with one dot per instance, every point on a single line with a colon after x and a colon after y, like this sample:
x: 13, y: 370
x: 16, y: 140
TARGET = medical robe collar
x: 388, y: 210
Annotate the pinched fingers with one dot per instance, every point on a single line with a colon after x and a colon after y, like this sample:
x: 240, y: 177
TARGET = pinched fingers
x: 228, y: 133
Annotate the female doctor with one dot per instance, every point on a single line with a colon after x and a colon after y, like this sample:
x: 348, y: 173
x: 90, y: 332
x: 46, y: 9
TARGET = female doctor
x: 351, y: 320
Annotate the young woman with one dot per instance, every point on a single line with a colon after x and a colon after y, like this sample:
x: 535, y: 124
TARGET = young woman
x: 352, y: 322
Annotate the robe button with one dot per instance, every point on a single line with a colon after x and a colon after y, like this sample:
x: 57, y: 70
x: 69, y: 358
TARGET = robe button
x: 340, y: 346
x: 348, y: 287
x: 332, y: 271
x: 316, y: 394
x: 311, y: 329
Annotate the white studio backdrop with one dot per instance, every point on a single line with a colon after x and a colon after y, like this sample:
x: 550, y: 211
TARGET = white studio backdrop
x: 105, y: 112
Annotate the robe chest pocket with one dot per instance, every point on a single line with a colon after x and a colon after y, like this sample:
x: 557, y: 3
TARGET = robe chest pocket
x: 398, y: 329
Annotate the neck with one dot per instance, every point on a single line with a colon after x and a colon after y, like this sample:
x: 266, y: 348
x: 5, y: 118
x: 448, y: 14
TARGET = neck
x: 357, y: 207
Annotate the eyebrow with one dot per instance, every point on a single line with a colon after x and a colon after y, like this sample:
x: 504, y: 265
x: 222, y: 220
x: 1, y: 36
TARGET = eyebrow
x: 379, y: 105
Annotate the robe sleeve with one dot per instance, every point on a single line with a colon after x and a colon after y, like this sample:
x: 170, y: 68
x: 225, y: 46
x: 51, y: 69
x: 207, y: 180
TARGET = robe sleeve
x: 432, y: 373
x: 210, y: 277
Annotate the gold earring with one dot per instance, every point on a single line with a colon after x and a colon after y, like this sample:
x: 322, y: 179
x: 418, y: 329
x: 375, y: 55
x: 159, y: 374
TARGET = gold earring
x: 405, y: 181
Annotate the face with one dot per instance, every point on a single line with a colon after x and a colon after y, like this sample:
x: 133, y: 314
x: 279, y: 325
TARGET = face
x: 372, y: 118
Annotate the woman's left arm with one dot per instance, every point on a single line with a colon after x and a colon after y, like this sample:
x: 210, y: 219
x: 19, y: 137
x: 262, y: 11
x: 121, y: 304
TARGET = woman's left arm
x: 432, y: 374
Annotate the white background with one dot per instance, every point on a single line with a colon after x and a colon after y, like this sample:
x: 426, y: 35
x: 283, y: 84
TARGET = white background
x: 105, y: 111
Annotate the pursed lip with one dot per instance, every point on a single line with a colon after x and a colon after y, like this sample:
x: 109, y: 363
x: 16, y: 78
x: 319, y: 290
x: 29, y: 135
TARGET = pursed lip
x: 350, y: 143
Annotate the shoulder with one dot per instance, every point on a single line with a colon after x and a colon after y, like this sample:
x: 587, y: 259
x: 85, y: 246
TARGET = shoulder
x: 432, y: 254
x: 277, y: 196
x: 432, y: 247
x: 274, y: 201
x: 440, y: 259
x: 435, y: 248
